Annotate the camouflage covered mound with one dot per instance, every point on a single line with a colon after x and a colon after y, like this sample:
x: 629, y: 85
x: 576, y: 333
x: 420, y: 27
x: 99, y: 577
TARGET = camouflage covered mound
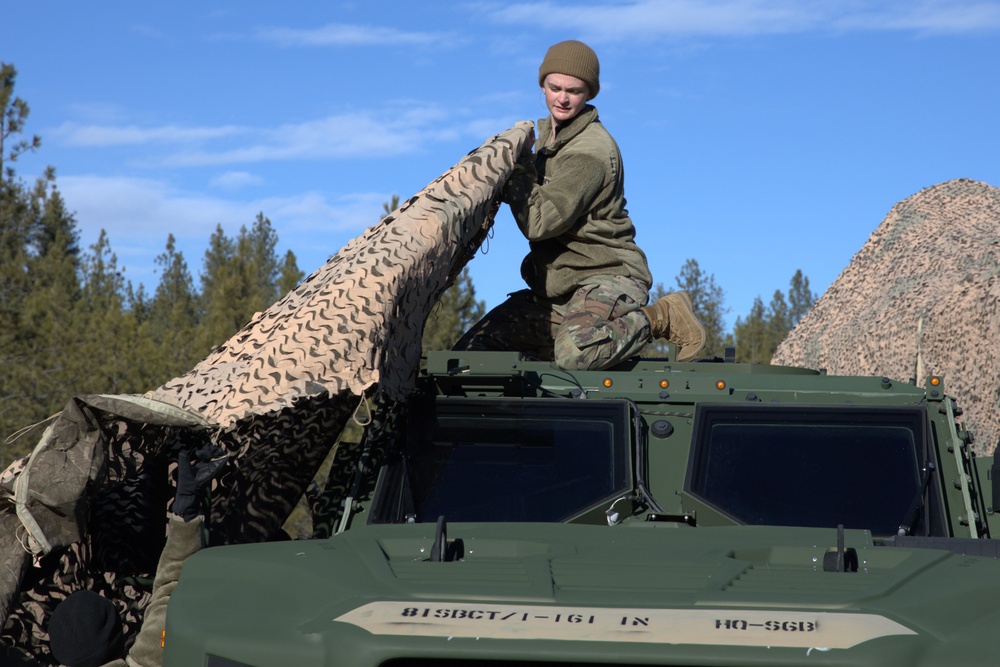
x: 927, y: 284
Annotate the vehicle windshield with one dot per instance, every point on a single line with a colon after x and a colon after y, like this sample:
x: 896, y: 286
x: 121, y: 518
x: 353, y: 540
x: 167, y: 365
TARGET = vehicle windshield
x: 810, y: 466
x: 508, y: 460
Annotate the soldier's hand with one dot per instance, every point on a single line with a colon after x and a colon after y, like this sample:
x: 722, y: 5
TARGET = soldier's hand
x: 192, y: 477
x: 529, y: 144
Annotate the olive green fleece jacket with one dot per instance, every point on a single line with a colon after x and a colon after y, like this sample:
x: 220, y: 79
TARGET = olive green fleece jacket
x: 569, y: 202
x: 183, y: 540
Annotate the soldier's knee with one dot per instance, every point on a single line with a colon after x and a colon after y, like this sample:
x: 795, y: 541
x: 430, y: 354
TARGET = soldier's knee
x: 572, y: 357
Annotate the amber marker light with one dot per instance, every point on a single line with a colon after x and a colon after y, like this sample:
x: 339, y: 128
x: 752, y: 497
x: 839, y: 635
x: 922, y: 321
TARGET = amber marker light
x: 935, y: 381
x: 720, y: 384
x: 664, y: 384
x: 607, y: 382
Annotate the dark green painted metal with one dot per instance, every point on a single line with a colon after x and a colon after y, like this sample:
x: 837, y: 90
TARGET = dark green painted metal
x: 276, y: 604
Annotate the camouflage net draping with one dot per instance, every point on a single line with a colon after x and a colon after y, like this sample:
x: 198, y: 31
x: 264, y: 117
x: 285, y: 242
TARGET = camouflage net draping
x: 925, y: 286
x: 86, y: 509
x: 275, y: 397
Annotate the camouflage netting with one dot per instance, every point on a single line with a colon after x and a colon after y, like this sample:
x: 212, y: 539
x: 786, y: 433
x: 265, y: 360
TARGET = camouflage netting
x: 925, y: 286
x: 87, y: 508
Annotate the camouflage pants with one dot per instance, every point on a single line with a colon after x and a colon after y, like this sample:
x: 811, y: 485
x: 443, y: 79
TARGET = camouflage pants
x: 595, y: 327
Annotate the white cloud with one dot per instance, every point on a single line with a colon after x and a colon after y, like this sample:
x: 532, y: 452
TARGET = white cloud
x: 620, y: 21
x: 312, y: 212
x: 930, y: 16
x: 656, y: 18
x: 344, y: 34
x: 76, y: 134
x: 400, y: 129
x: 138, y: 214
x: 349, y: 135
x: 235, y: 180
x: 142, y: 210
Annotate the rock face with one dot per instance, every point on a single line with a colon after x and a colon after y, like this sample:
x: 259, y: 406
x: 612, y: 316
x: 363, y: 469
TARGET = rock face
x: 925, y: 285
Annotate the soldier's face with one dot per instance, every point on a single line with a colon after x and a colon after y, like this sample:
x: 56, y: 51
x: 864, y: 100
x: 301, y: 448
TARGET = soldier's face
x: 565, y: 96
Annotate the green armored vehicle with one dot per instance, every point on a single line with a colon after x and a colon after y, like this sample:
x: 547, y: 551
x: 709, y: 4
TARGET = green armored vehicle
x: 659, y: 513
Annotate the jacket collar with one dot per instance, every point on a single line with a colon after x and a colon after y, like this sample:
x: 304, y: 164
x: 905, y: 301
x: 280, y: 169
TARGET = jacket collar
x: 568, y: 131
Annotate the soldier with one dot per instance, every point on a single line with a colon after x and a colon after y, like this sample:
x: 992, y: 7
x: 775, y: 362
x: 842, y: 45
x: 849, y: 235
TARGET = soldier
x: 85, y: 629
x: 588, y: 281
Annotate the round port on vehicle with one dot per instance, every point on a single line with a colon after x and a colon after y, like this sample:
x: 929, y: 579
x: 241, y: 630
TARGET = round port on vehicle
x: 662, y: 428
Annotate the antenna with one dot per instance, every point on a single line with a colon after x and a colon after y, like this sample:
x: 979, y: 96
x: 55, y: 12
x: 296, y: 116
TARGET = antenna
x: 919, y: 374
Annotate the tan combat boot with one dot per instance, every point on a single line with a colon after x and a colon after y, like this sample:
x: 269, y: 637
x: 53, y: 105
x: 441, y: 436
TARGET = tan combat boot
x: 672, y: 317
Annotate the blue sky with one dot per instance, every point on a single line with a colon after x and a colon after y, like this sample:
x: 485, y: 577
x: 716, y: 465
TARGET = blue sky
x: 759, y: 136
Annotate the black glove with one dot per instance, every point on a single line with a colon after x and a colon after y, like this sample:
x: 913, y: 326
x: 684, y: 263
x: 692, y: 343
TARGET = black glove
x: 192, y: 477
x: 518, y: 187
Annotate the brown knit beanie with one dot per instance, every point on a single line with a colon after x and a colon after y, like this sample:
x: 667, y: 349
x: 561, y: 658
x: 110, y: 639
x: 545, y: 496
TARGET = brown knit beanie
x: 574, y: 59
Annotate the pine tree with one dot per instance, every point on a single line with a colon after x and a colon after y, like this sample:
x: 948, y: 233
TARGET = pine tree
x: 109, y: 330
x: 241, y: 277
x: 290, y: 275
x: 257, y: 264
x: 48, y: 325
x: 778, y: 322
x: 758, y: 337
x: 751, y: 334
x: 24, y: 250
x: 218, y: 289
x: 454, y: 313
x: 391, y: 205
x: 707, y: 298
x: 173, y: 316
x: 800, y: 298
x: 13, y: 116
x: 38, y: 291
x: 15, y: 229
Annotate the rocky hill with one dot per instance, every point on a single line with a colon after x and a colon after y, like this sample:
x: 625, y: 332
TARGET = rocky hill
x: 924, y: 289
